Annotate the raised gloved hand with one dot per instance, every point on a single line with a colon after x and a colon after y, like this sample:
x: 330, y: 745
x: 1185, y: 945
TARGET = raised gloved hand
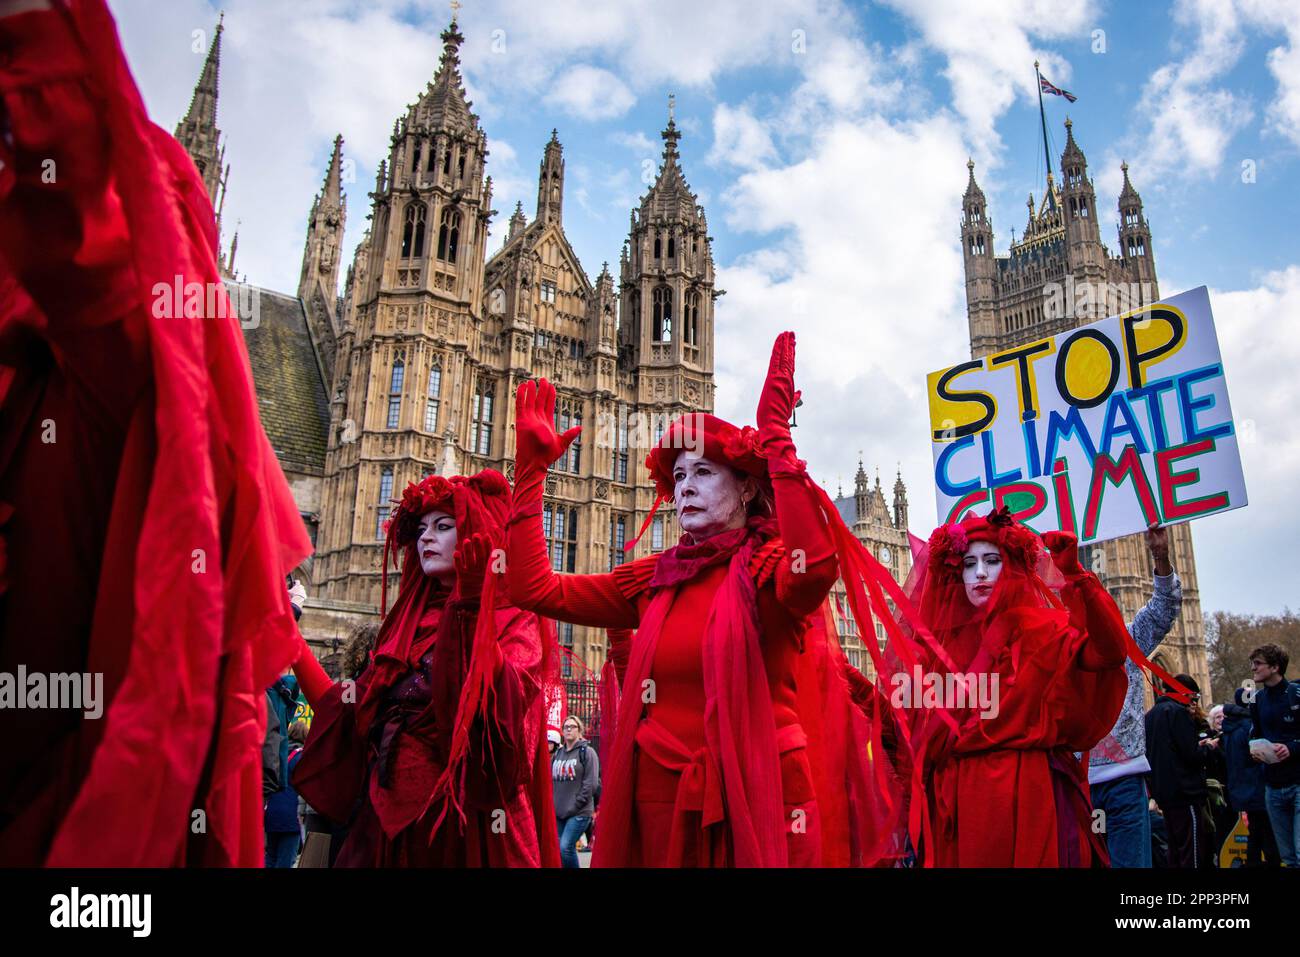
x: 776, y: 406
x: 1064, y: 547
x: 536, y: 442
x: 472, y: 557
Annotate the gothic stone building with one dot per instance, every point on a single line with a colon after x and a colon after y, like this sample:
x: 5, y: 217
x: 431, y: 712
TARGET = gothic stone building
x: 413, y: 369
x: 1011, y: 300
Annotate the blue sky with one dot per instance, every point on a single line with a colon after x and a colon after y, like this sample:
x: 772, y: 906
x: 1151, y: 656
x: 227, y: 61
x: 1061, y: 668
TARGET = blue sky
x: 828, y: 142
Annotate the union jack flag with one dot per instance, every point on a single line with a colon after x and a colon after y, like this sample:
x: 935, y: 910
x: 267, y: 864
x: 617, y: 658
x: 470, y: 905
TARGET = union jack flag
x: 1047, y: 87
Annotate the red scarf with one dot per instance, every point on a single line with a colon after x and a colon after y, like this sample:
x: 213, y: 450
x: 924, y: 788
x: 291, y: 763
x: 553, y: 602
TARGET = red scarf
x: 739, y: 726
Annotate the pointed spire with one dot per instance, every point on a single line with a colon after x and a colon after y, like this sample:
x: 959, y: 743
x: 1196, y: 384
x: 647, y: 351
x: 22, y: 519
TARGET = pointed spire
x: 550, y: 182
x: 202, y: 113
x: 670, y: 134
x: 198, y: 131
x: 332, y: 191
x: 517, y: 222
x: 444, y: 102
x: 973, y: 190
x: 1128, y: 195
x: 1071, y: 147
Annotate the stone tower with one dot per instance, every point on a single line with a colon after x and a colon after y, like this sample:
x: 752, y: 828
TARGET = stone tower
x: 1014, y: 298
x: 318, y: 285
x: 198, y: 133
x: 406, y: 394
x: 433, y: 338
x: 667, y: 293
x: 883, y: 533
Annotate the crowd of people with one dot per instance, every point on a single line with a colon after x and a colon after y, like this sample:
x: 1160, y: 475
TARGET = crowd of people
x: 736, y: 733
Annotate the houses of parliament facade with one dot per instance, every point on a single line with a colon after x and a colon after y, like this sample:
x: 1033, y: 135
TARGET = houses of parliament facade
x: 412, y: 369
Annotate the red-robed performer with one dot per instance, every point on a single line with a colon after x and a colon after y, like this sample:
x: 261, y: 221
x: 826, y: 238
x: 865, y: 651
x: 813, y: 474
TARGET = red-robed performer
x: 731, y: 748
x: 436, y: 756
x: 1003, y: 787
x: 145, y: 525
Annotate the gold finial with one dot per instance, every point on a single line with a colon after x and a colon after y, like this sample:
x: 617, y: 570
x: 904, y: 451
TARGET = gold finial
x: 672, y: 102
x: 455, y: 7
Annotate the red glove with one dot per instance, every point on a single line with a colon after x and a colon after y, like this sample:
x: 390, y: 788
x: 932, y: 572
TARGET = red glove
x: 471, y: 559
x: 776, y: 406
x: 1064, y: 547
x: 536, y: 443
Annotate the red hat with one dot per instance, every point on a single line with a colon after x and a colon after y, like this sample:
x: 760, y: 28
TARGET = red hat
x: 949, y: 542
x: 709, y: 437
x: 479, y: 504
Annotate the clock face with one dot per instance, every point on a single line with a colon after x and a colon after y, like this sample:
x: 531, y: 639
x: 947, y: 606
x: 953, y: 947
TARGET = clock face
x: 885, y: 554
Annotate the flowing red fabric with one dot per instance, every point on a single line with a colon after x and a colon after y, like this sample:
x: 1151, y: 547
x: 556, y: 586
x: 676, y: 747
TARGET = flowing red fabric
x: 1003, y: 788
x: 739, y: 727
x: 193, y: 620
x: 481, y: 743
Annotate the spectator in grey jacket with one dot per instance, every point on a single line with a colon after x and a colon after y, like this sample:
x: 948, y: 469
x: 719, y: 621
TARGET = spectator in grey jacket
x: 575, y: 778
x: 1117, y: 765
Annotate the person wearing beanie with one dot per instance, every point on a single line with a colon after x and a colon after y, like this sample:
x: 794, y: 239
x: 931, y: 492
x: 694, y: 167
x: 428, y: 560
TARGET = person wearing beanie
x: 1178, y: 776
x: 1246, y: 783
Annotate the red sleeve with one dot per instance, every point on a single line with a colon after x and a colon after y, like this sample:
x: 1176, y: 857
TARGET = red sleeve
x: 620, y: 649
x: 311, y: 676
x: 808, y: 570
x: 596, y: 600
x: 1094, y: 611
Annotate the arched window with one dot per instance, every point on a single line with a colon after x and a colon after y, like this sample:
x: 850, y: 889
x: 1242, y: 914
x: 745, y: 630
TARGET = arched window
x: 448, y: 235
x: 567, y: 415
x: 662, y: 309
x: 385, y: 498
x: 415, y: 157
x: 657, y: 248
x: 433, y: 398
x: 446, y: 160
x: 672, y: 247
x: 413, y: 231
x: 481, y: 418
x: 691, y: 320
x: 433, y: 157
x: 460, y: 165
x: 395, y: 393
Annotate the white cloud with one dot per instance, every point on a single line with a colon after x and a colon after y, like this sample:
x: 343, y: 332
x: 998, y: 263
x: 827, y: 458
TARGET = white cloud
x: 1260, y: 361
x: 590, y: 93
x: 989, y: 49
x: 739, y: 138
x: 636, y: 141
x: 843, y: 272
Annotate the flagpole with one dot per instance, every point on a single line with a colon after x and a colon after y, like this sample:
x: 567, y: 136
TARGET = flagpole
x: 1042, y: 116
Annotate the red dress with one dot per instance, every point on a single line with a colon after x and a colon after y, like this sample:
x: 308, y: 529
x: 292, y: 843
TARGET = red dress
x: 1007, y: 791
x: 679, y: 814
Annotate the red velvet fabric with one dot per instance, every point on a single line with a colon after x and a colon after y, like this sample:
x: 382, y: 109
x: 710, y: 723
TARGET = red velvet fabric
x: 172, y: 525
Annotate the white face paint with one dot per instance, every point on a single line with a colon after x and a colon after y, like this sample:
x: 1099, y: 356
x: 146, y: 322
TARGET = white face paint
x: 436, y: 545
x: 709, y: 497
x: 980, y: 568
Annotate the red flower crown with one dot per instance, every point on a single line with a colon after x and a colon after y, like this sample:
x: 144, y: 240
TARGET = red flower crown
x: 948, y: 543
